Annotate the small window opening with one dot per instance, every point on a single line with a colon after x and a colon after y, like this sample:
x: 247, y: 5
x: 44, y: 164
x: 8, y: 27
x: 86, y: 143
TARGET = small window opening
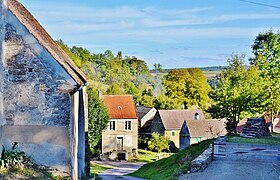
x: 127, y: 125
x: 112, y: 125
x: 196, y: 116
x: 30, y: 70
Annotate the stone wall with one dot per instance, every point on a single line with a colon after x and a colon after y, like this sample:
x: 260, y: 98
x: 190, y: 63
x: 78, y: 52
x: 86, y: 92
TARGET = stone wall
x: 130, y: 137
x: 33, y: 93
x: 34, y: 97
x: 202, y: 161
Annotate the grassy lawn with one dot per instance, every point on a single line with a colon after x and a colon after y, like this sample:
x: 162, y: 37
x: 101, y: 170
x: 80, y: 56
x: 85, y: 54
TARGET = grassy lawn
x: 96, y: 168
x: 147, y: 156
x: 173, y: 166
x: 272, y: 140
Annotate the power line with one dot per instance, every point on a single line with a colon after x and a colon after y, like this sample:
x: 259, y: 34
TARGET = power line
x: 262, y: 4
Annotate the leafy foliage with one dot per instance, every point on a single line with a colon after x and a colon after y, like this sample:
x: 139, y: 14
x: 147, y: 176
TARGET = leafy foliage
x: 253, y: 90
x: 14, y: 158
x: 98, y: 118
x: 238, y: 92
x: 266, y: 49
x: 187, y: 87
x: 158, y: 142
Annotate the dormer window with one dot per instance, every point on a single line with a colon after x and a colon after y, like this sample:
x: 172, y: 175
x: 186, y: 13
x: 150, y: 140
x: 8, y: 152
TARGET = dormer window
x: 196, y: 116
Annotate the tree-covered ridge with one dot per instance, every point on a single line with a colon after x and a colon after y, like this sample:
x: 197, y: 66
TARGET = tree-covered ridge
x: 115, y: 74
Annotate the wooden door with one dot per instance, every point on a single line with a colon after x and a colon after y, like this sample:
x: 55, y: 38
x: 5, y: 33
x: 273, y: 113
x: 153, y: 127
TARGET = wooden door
x: 119, y: 143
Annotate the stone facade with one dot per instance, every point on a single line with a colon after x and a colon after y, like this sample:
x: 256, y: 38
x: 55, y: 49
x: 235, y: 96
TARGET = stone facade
x: 112, y: 138
x: 41, y: 104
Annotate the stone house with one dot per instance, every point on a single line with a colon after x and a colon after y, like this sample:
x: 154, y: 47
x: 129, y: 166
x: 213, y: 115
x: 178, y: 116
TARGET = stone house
x: 43, y: 100
x: 185, y: 127
x: 145, y: 116
x: 120, y: 139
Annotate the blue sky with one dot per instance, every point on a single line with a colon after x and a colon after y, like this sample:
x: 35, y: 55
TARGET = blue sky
x: 176, y: 34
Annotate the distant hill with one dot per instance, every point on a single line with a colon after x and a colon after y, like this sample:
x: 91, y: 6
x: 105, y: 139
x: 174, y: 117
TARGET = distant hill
x: 204, y: 69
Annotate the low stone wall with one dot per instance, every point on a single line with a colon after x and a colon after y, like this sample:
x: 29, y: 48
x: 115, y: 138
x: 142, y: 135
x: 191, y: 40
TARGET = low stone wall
x: 202, y: 161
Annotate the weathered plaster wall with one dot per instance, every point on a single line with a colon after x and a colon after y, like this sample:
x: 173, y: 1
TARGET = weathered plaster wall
x: 1, y: 65
x: 175, y: 139
x: 35, y: 91
x: 47, y: 145
x: 34, y: 97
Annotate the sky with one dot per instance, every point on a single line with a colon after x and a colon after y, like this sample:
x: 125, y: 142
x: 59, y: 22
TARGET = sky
x: 173, y: 33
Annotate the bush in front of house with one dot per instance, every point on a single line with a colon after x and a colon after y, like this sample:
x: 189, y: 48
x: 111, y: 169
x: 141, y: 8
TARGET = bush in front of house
x: 158, y: 143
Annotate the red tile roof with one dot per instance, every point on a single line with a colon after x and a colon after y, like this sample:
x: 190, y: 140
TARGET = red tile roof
x: 120, y: 106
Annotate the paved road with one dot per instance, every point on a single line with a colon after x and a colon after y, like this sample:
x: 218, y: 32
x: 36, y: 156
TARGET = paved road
x: 242, y: 162
x: 121, y: 169
x: 221, y: 169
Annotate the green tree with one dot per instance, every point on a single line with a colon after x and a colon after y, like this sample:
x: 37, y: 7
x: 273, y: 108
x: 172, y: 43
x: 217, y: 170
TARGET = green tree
x: 131, y: 89
x: 76, y: 59
x: 187, y: 86
x: 175, y: 84
x: 115, y: 89
x: 98, y: 118
x: 158, y: 143
x: 198, y: 88
x: 266, y: 49
x: 83, y: 53
x: 164, y: 102
x: 231, y: 97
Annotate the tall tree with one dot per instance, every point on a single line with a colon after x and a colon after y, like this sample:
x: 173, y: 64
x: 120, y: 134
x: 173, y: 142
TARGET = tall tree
x: 230, y: 99
x: 187, y: 86
x: 98, y: 118
x: 266, y: 49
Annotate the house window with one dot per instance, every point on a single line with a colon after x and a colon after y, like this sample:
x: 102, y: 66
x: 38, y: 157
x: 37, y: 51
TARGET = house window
x: 198, y: 139
x: 127, y: 125
x: 112, y: 125
x: 173, y: 133
x: 196, y: 116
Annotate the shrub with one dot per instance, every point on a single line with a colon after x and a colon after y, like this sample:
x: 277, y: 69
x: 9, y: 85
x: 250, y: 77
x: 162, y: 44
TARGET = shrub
x: 143, y: 142
x: 158, y: 143
x: 14, y: 157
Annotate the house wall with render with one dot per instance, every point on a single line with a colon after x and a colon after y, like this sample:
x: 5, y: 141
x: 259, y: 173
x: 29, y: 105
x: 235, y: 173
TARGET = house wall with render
x: 40, y: 103
x: 173, y: 135
x: 130, y: 137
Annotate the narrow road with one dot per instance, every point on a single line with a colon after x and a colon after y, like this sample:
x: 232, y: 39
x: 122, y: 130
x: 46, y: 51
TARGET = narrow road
x: 121, y: 169
x: 221, y: 169
x: 241, y: 161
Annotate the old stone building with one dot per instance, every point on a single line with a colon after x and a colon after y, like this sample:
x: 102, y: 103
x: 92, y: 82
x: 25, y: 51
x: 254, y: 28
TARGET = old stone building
x: 42, y: 94
x: 120, y: 139
x: 186, y: 127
